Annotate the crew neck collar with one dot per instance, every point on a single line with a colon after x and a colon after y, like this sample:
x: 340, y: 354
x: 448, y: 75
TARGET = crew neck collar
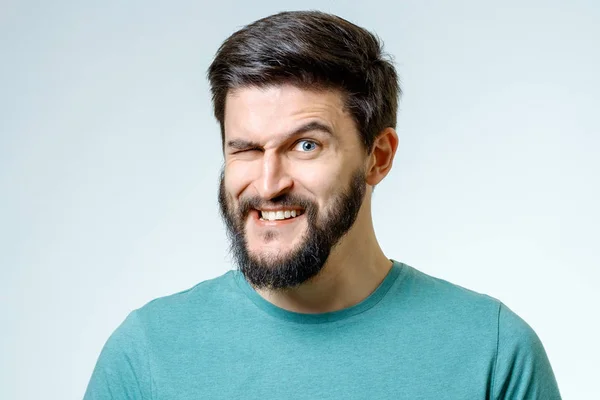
x: 302, y: 318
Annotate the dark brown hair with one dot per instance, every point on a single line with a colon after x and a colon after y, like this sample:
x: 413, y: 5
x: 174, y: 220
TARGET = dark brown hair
x: 312, y: 50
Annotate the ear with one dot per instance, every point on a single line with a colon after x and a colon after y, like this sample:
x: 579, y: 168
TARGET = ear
x: 382, y: 156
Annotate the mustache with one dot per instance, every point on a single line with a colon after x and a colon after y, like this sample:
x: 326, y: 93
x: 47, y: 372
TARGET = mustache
x: 248, y: 204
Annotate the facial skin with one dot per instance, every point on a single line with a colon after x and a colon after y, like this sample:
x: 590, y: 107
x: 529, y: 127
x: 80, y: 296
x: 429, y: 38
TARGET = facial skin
x: 323, y: 231
x: 292, y: 149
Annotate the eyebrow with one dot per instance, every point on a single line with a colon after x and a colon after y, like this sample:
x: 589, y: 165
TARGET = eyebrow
x: 242, y: 144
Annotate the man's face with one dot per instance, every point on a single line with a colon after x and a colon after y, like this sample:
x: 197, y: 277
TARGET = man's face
x: 293, y: 182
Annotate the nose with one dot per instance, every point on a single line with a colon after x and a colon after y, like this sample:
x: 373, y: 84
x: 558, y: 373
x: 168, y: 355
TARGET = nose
x: 274, y: 180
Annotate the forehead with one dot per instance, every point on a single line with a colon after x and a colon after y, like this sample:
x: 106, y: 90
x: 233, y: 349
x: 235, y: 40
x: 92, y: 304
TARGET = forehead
x: 273, y: 110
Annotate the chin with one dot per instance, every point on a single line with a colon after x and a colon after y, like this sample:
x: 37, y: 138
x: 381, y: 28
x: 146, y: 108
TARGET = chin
x: 270, y: 244
x: 271, y: 253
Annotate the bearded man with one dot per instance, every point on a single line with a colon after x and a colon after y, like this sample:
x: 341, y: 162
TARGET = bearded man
x: 307, y: 106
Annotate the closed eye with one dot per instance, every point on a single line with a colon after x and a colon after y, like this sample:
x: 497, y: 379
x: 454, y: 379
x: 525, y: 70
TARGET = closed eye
x: 248, y: 150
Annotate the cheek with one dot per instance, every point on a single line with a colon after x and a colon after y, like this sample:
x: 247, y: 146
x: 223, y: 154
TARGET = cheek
x: 321, y: 180
x: 237, y: 179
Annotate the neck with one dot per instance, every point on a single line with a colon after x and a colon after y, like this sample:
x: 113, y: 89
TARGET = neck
x: 354, y: 269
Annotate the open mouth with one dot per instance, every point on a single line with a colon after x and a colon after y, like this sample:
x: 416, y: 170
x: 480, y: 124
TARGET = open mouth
x: 279, y: 215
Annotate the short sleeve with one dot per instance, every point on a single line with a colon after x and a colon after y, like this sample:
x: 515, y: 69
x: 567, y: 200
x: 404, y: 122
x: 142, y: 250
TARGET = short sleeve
x: 522, y: 369
x: 122, y: 370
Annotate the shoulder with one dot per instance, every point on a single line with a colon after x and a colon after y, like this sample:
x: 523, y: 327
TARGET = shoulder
x: 512, y: 329
x: 465, y: 306
x: 197, y: 301
x: 124, y: 367
x: 437, y: 293
x: 522, y: 368
x: 162, y: 316
x: 439, y: 296
x: 454, y: 308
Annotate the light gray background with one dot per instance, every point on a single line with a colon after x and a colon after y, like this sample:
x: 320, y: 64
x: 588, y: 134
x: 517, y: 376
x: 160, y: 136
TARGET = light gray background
x: 109, y: 158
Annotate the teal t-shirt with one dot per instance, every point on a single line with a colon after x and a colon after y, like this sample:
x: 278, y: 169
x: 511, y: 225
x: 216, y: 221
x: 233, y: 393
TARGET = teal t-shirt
x: 414, y: 337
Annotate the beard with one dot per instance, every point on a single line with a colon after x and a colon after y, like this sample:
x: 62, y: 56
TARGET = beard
x: 324, y: 230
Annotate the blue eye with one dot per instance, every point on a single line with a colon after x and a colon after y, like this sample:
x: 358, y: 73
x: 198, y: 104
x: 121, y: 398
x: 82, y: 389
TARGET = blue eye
x: 306, y: 145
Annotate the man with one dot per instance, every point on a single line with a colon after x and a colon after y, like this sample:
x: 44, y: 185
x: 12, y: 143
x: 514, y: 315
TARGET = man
x: 307, y: 107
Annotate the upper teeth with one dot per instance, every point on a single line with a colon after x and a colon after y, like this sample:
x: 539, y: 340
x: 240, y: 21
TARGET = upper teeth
x: 282, y: 214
